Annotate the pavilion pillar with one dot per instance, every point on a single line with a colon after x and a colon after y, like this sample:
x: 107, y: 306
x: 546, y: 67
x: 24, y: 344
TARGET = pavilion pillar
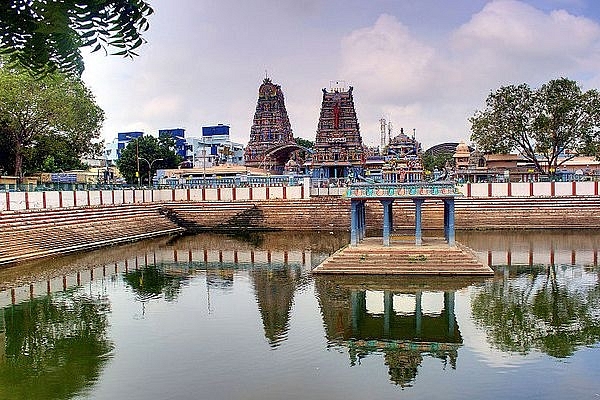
x: 449, y: 221
x: 387, y: 220
x: 362, y: 220
x: 418, y: 223
x: 354, y: 222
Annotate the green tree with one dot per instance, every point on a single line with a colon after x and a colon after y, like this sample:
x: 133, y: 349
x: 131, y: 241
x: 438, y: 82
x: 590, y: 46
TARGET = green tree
x: 540, y: 124
x: 432, y: 161
x: 46, y: 35
x: 55, y: 108
x: 151, y: 149
x: 304, y: 143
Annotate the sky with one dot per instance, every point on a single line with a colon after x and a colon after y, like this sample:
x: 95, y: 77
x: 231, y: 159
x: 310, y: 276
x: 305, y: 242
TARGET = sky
x: 424, y: 65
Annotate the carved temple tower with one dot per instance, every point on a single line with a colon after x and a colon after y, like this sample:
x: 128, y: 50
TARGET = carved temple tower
x: 270, y: 130
x: 338, y: 145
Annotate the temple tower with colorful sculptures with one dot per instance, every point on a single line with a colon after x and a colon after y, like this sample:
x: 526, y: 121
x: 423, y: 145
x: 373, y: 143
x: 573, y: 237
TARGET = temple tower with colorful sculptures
x: 338, y: 149
x: 271, y: 130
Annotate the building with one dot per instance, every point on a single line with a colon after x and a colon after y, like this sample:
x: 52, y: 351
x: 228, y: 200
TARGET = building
x: 271, y: 140
x: 123, y: 139
x: 178, y: 135
x: 338, y: 149
x: 214, y: 148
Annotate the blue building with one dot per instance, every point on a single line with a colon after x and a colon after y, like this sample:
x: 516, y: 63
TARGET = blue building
x: 123, y: 139
x: 178, y: 134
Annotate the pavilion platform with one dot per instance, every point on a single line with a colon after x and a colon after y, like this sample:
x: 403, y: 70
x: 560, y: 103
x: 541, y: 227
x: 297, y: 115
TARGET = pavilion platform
x: 433, y: 257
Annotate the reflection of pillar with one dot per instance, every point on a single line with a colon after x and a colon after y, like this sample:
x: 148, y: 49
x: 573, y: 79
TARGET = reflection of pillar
x: 359, y: 308
x: 387, y: 220
x: 418, y: 313
x: 449, y: 220
x: 418, y: 227
x: 388, y: 311
x: 2, y: 336
x: 353, y: 222
x: 449, y: 307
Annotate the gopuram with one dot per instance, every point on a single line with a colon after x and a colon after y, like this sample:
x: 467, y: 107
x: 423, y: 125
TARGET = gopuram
x: 338, y: 149
x: 271, y: 139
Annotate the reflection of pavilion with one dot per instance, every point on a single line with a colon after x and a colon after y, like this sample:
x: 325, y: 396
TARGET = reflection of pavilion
x: 402, y: 327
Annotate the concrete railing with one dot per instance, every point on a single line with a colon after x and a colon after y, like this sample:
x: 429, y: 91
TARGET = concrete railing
x: 17, y: 201
x: 529, y: 189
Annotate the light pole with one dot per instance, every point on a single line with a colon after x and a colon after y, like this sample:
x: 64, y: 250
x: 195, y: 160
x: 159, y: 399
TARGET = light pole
x: 150, y: 164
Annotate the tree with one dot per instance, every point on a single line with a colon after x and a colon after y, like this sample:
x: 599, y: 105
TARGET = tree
x: 46, y: 35
x: 555, y: 120
x: 432, y: 161
x: 54, y: 109
x: 151, y: 149
x: 304, y: 143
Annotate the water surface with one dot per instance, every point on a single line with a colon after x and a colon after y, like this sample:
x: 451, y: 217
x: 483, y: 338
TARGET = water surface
x: 220, y: 317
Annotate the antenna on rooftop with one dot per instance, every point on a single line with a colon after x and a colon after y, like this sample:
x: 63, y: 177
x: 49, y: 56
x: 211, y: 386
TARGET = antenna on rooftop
x: 382, y: 124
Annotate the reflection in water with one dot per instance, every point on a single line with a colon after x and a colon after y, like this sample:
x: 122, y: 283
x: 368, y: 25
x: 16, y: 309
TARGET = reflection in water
x: 403, y: 337
x: 55, y: 346
x: 54, y: 338
x: 274, y: 289
x: 154, y: 281
x: 552, y: 309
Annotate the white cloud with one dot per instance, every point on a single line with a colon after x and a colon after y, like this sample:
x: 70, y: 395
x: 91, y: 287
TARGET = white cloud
x: 436, y: 87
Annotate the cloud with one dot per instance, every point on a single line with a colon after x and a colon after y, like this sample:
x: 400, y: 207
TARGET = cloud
x: 386, y: 57
x: 434, y: 87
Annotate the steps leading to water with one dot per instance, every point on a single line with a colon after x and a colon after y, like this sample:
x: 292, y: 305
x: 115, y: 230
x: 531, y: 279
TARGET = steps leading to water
x: 42, y: 233
x: 434, y: 257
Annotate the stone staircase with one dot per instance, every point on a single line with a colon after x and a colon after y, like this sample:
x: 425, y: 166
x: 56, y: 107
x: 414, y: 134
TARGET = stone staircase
x: 34, y: 234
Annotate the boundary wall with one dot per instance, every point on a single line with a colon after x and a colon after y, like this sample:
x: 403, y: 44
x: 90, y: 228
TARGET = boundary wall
x: 529, y: 189
x: 18, y: 201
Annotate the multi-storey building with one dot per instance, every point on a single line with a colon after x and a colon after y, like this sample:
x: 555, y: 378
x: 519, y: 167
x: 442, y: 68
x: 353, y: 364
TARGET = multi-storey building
x: 178, y: 135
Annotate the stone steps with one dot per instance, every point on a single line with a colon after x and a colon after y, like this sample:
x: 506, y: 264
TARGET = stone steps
x: 30, y: 234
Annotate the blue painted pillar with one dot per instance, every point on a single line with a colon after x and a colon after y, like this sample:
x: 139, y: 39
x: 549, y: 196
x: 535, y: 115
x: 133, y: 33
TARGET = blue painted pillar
x: 449, y: 210
x: 418, y: 227
x: 354, y: 222
x: 387, y: 220
x: 445, y: 221
x: 363, y: 220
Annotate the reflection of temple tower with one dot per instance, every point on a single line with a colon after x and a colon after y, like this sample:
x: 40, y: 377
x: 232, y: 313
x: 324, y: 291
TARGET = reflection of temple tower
x: 274, y: 290
x: 270, y: 128
x: 338, y: 145
x: 403, y: 337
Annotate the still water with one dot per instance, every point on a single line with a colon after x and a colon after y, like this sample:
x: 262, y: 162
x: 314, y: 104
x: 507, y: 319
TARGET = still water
x: 220, y: 317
